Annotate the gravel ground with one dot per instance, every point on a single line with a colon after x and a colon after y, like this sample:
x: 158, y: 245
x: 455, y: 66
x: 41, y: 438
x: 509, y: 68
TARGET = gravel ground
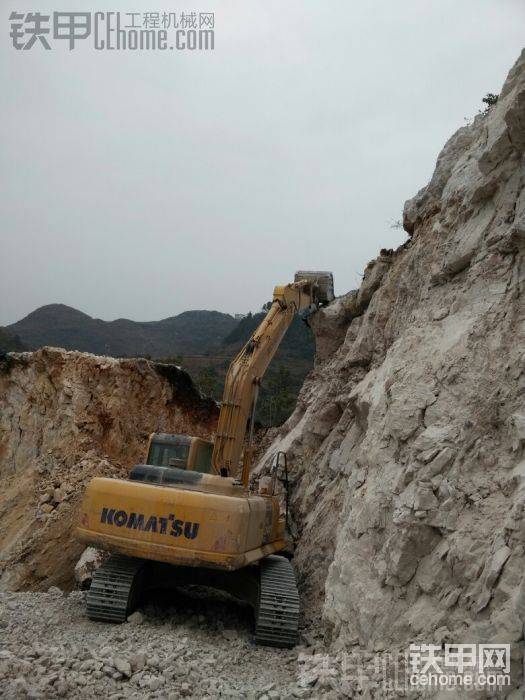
x: 49, y: 649
x: 170, y: 649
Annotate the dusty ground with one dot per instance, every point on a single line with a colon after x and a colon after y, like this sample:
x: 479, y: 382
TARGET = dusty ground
x: 177, y: 646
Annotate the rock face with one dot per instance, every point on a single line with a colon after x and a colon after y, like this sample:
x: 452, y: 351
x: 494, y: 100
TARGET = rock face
x: 406, y: 449
x: 64, y: 418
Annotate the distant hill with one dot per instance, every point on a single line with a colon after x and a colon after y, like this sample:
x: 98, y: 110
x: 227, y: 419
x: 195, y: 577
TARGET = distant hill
x: 65, y: 327
x: 202, y: 342
x: 10, y: 342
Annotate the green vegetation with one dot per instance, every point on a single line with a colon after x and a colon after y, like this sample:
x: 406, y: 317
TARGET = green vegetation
x: 489, y: 100
x: 298, y: 339
x: 209, y: 382
x: 65, y: 327
x: 284, y: 378
x: 278, y: 397
x: 10, y: 342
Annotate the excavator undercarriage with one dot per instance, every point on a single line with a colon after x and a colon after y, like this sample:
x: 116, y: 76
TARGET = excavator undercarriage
x: 269, y: 587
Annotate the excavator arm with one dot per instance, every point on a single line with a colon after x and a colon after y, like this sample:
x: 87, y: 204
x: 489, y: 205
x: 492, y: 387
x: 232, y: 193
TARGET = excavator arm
x: 308, y: 291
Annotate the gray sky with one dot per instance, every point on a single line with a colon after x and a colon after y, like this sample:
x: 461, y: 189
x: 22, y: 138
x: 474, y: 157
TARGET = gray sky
x: 143, y: 184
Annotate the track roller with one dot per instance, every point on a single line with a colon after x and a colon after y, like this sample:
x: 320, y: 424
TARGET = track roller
x: 277, y: 611
x: 115, y: 589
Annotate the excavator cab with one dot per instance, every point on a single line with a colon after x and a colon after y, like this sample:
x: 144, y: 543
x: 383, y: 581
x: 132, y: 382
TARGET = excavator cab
x: 180, y: 452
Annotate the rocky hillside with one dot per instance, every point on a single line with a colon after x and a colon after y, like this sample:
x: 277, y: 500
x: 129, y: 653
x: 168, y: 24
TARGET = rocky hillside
x: 62, y: 326
x: 64, y: 418
x: 407, y: 444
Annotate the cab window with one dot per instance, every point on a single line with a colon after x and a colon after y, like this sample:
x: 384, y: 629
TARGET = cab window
x: 162, y: 455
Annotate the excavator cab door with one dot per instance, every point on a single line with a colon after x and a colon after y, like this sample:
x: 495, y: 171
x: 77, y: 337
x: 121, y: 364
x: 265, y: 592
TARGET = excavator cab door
x: 200, y: 456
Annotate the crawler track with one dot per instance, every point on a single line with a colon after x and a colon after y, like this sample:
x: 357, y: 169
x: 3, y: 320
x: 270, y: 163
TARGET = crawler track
x: 277, y: 613
x: 115, y: 589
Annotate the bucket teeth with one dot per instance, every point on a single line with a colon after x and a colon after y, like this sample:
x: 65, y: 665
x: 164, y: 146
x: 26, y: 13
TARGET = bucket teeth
x: 323, y: 283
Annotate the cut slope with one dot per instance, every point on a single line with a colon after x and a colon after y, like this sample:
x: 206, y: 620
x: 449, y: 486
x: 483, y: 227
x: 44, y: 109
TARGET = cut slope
x: 64, y: 418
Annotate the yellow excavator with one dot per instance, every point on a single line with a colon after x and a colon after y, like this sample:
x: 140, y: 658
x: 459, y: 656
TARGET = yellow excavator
x: 188, y: 517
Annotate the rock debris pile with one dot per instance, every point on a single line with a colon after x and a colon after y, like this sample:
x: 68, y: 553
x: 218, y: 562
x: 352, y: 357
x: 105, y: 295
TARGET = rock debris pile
x: 50, y: 649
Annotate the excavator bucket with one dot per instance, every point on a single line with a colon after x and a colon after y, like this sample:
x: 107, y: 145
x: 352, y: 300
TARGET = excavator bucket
x: 323, y: 281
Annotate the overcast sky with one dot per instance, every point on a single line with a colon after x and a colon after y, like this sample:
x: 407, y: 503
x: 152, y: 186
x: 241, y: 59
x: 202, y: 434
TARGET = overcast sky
x: 142, y: 184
